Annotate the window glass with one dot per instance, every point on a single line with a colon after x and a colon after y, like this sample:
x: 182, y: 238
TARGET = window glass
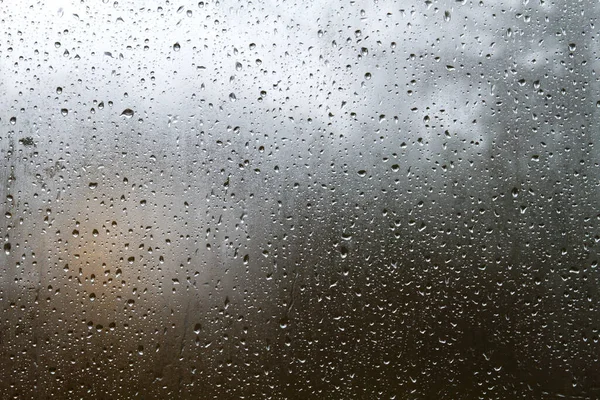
x: 299, y: 200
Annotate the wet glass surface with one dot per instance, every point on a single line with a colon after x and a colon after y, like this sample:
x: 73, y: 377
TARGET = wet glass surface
x: 299, y: 200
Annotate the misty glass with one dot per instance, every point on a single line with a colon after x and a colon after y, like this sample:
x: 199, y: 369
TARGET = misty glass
x: 299, y: 200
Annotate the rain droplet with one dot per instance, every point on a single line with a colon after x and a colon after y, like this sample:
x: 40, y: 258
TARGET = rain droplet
x: 64, y: 112
x: 232, y: 97
x: 176, y: 47
x: 284, y: 322
x: 93, y: 185
x: 127, y: 113
x: 58, y: 90
x: 343, y: 251
x: 447, y: 16
x: 238, y: 66
x: 13, y: 120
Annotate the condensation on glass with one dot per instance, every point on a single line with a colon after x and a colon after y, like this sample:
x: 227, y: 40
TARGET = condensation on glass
x: 299, y: 200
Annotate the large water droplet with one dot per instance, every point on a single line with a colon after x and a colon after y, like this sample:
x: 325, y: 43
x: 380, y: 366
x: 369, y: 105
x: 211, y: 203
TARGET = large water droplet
x: 127, y: 113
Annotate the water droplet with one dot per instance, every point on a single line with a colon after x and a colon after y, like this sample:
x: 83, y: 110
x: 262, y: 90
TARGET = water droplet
x: 232, y: 97
x: 13, y: 120
x: 343, y: 251
x: 93, y: 185
x: 176, y: 47
x: 447, y: 16
x: 58, y: 90
x: 238, y: 66
x: 92, y: 296
x: 127, y: 113
x: 7, y: 248
x: 252, y: 46
x: 64, y: 112
x: 284, y: 322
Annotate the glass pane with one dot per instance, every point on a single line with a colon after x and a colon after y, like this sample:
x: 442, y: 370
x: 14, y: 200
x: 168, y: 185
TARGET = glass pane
x: 353, y: 199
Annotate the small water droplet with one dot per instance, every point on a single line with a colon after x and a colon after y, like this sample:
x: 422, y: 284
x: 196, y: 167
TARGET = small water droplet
x: 13, y: 120
x: 232, y: 97
x: 64, y: 112
x: 447, y: 16
x: 284, y: 322
x: 343, y: 251
x: 176, y: 47
x: 58, y: 90
x: 93, y: 185
x: 238, y: 66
